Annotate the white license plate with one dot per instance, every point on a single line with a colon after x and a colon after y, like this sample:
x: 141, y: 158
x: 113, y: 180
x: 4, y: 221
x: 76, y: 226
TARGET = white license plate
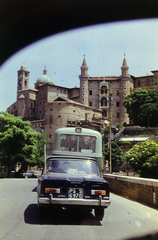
x: 75, y: 192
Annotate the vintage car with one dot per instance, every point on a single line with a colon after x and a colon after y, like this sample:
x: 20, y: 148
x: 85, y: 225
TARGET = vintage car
x: 72, y: 181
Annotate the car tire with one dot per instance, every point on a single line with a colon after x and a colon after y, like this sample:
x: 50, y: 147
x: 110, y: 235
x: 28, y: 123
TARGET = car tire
x: 99, y: 213
x: 89, y: 210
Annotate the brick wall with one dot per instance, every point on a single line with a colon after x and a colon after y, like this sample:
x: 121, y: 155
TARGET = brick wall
x: 138, y: 189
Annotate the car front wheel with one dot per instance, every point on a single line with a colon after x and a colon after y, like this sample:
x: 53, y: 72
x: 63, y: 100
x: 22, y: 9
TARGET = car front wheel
x: 99, y: 213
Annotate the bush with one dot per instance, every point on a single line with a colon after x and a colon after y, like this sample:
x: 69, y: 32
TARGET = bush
x: 143, y: 159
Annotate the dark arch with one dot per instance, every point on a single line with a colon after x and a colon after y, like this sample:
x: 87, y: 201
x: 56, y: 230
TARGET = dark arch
x: 24, y: 22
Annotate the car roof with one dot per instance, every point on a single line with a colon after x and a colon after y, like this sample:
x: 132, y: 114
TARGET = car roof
x: 70, y: 157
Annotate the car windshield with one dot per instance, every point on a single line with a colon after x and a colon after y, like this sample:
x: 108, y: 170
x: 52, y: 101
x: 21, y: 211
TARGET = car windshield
x: 73, y: 167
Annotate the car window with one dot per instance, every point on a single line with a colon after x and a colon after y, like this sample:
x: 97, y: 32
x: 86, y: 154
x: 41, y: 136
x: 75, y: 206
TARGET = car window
x: 85, y: 167
x: 77, y: 143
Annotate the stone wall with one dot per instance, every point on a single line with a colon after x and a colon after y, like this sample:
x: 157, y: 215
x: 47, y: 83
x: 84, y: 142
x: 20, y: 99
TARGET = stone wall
x: 138, y: 189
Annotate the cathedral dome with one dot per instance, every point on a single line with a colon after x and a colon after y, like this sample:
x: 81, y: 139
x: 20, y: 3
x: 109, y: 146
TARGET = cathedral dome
x: 44, y: 78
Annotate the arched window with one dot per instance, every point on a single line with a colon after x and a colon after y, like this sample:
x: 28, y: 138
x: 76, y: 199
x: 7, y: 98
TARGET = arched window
x: 104, y: 102
x: 25, y: 83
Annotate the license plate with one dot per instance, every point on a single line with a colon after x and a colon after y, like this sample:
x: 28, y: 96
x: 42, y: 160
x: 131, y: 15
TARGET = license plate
x: 75, y: 193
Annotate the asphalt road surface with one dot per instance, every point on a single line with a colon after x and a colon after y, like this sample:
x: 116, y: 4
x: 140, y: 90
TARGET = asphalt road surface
x: 124, y: 219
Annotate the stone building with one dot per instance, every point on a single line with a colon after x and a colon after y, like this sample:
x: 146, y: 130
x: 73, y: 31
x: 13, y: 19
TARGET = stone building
x: 106, y: 93
x: 97, y: 101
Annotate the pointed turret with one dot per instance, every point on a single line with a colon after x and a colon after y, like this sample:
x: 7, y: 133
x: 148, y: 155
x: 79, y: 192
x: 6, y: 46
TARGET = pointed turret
x: 124, y: 67
x: 124, y: 62
x: 84, y: 64
x: 84, y: 68
x: 84, y: 83
x: 126, y: 85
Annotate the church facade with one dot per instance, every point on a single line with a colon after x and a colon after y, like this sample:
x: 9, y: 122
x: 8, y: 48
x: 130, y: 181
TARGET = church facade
x: 94, y: 104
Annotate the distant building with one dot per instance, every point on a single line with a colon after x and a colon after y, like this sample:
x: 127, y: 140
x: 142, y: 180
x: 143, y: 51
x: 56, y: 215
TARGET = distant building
x: 93, y: 104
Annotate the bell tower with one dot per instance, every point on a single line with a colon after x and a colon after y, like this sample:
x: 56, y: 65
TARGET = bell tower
x: 22, y: 78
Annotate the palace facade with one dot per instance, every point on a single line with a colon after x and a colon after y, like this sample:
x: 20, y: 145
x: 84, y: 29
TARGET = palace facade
x: 94, y: 104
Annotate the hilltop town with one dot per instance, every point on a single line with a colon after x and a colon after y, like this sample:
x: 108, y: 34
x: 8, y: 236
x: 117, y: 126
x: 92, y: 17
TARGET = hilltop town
x: 94, y: 104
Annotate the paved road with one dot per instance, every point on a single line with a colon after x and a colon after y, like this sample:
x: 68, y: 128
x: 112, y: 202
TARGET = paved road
x: 124, y: 219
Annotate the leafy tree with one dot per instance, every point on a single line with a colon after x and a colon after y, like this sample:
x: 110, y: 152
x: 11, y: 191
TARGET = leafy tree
x: 118, y: 125
x: 106, y: 132
x: 18, y: 142
x: 143, y: 159
x: 39, y: 151
x: 117, y: 155
x: 142, y: 107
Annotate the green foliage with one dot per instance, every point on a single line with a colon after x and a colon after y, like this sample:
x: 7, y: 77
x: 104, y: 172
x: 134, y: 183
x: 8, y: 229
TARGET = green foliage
x: 123, y: 143
x: 143, y: 159
x: 117, y: 155
x: 39, y: 151
x: 19, y: 142
x: 142, y: 107
x: 118, y: 125
x: 106, y: 131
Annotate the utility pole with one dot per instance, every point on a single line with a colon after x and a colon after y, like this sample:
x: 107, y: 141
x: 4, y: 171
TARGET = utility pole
x: 45, y: 158
x: 110, y: 113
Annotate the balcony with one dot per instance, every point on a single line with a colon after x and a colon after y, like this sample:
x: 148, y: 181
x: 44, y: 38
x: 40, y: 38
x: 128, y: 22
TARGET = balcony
x: 104, y: 106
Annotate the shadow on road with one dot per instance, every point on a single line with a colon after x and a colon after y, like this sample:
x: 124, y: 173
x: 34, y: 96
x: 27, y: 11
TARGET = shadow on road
x: 60, y: 216
x: 145, y: 237
x: 34, y: 190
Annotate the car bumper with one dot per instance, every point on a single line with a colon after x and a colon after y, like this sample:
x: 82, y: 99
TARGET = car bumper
x: 74, y: 202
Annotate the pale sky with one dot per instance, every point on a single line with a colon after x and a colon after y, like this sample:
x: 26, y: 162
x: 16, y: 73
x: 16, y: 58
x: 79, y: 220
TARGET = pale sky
x: 103, y: 45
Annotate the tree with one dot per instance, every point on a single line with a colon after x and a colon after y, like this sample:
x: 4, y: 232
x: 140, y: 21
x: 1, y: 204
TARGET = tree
x: 142, y: 107
x: 117, y: 155
x: 18, y: 142
x: 106, y: 133
x: 39, y: 151
x: 143, y: 159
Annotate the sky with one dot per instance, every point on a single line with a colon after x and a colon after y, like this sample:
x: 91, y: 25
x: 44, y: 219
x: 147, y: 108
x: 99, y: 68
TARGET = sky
x: 103, y: 45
